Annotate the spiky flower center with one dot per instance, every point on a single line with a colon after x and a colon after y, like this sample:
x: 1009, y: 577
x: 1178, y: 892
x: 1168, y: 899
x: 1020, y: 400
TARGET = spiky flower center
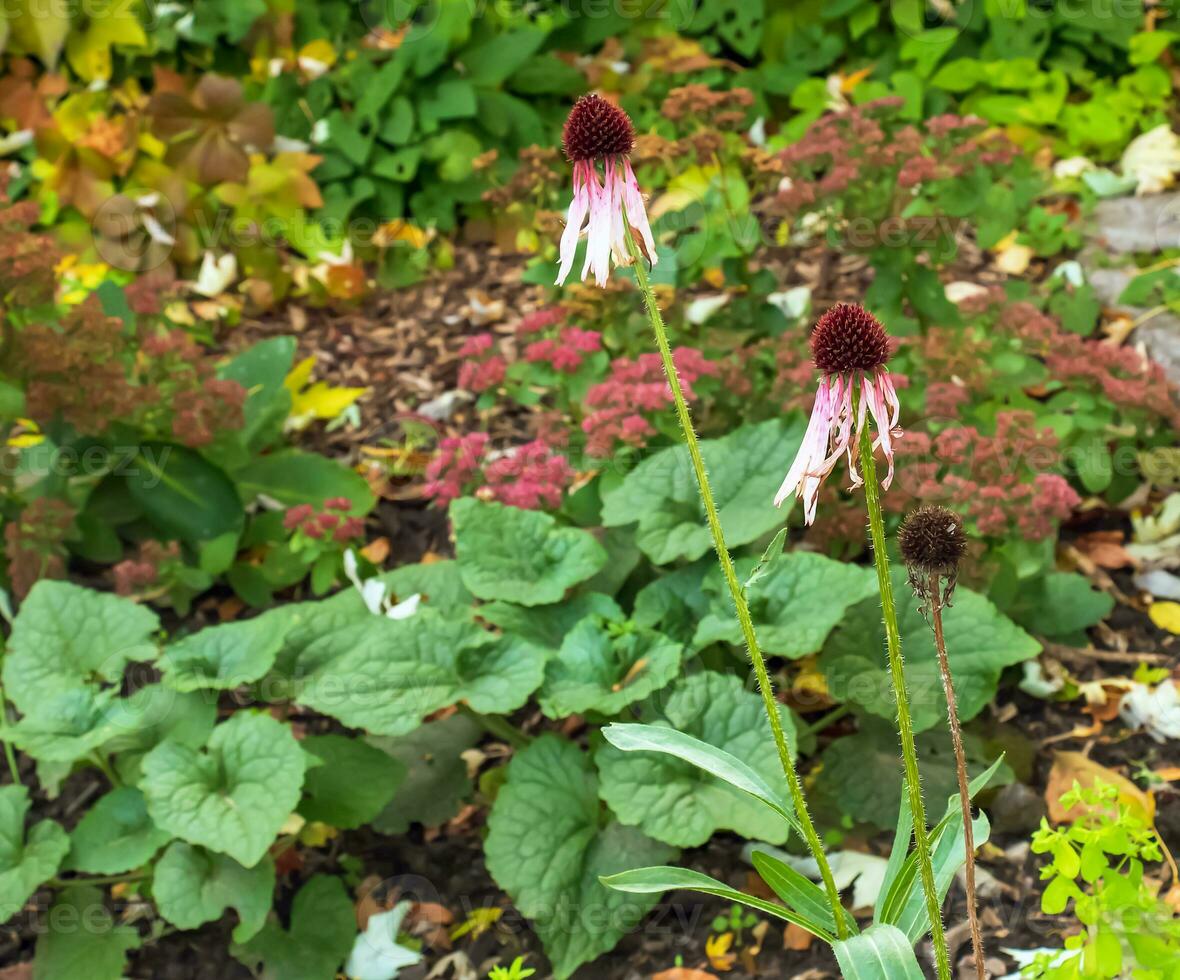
x: 932, y: 540
x: 849, y: 338
x: 595, y: 129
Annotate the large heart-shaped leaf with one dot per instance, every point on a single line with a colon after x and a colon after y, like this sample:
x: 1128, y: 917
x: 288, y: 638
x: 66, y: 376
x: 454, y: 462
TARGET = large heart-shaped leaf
x: 661, y: 494
x: 115, y: 835
x: 520, y: 556
x: 66, y: 637
x: 233, y: 796
x: 97, y: 951
x: 980, y: 642
x: 323, y: 927
x: 674, y: 801
x: 604, y: 668
x: 353, y: 784
x: 192, y: 886
x: 548, y: 843
x: 386, y: 676
x: 795, y: 601
x: 223, y: 657
x: 25, y: 860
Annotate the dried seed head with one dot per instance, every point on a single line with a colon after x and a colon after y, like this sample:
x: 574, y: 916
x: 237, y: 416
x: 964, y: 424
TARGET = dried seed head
x: 932, y: 540
x: 932, y: 543
x: 596, y: 128
x: 849, y: 338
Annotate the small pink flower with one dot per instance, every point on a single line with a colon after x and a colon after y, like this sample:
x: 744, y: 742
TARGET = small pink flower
x: 851, y: 348
x: 599, y: 131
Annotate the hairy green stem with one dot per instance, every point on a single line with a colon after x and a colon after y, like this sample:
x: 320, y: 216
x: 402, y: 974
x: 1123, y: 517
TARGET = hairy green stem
x: 735, y: 589
x: 905, y: 727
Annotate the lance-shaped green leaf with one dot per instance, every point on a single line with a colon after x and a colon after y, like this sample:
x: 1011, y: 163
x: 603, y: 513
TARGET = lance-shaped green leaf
x: 223, y: 657
x: 234, y: 795
x: 661, y: 494
x: 674, y: 800
x: 603, y: 668
x: 66, y: 637
x: 193, y: 886
x: 548, y: 844
x: 115, y: 835
x: 25, y: 860
x: 802, y: 896
x: 386, y: 676
x: 881, y: 952
x: 796, y: 599
x: 520, y: 556
x: 657, y: 880
x: 980, y: 642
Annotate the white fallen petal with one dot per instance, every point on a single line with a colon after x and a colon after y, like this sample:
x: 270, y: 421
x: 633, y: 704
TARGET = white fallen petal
x: 1155, y: 710
x: 404, y: 609
x: 1153, y: 159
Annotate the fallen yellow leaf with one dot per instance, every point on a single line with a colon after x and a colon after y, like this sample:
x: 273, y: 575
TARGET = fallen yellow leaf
x: 717, y: 949
x: 1071, y: 766
x: 1166, y: 615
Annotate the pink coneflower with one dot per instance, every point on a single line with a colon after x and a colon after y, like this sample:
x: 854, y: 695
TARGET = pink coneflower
x: 597, y: 130
x: 850, y: 347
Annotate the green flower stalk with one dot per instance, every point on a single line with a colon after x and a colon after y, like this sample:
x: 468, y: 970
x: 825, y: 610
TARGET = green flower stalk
x: 932, y: 544
x: 856, y: 396
x: 599, y: 133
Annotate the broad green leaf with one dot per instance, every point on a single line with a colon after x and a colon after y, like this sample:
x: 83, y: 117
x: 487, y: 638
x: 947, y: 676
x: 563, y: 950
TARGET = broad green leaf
x: 354, y: 783
x: 222, y: 657
x: 183, y: 494
x: 745, y: 467
x: 323, y: 927
x: 155, y: 714
x: 115, y: 835
x: 233, y: 796
x: 107, y: 23
x: 66, y: 725
x: 25, y: 860
x: 436, y: 780
x: 520, y: 556
x: 293, y: 476
x: 796, y: 601
x: 96, y: 952
x: 980, y: 642
x: 602, y: 668
x: 673, y: 800
x: 261, y: 369
x: 549, y: 843
x: 386, y: 676
x: 66, y: 637
x: 439, y: 583
x: 881, y: 952
x: 676, y: 603
x: 876, y: 747
x: 657, y: 880
x: 548, y: 626
x: 1060, y: 604
x: 193, y: 886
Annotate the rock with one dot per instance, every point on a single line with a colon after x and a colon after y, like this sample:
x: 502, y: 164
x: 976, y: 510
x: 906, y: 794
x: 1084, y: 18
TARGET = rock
x: 1017, y: 809
x: 1160, y: 335
x: 1139, y: 224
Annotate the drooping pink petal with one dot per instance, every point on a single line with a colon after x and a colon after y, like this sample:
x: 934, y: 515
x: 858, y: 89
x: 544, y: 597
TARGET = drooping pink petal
x: 574, y: 220
x: 598, y: 236
x: 885, y: 409
x: 636, y: 212
x: 813, y: 462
